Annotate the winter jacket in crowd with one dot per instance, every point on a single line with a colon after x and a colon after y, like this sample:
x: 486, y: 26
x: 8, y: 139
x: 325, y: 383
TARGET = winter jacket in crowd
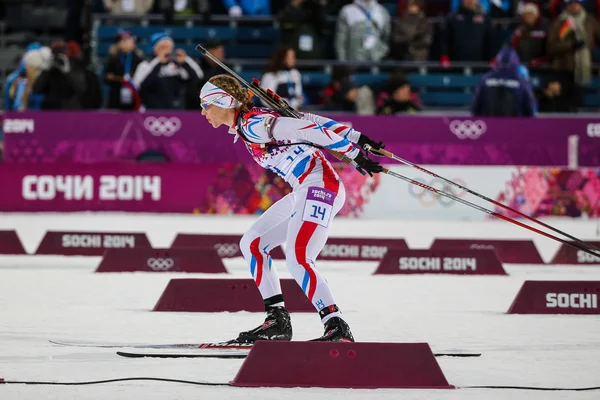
x: 250, y: 7
x: 570, y: 43
x: 362, y: 32
x: 467, y: 36
x: 61, y: 87
x: 287, y: 83
x: 163, y: 86
x: 122, y: 65
x: 128, y: 6
x: 302, y: 28
x: 411, y: 37
x: 504, y: 92
x: 530, y: 42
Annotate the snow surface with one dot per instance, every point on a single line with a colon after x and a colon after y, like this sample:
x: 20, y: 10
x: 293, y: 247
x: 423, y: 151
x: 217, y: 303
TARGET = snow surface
x: 52, y: 297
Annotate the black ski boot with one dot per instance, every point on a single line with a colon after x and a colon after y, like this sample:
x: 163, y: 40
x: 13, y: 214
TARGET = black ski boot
x: 277, y: 326
x: 336, y: 330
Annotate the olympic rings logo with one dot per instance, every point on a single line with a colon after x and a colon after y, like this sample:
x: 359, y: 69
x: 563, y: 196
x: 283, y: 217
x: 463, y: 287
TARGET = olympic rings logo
x: 468, y: 129
x: 428, y: 198
x: 162, y: 125
x: 160, y: 264
x: 227, y: 249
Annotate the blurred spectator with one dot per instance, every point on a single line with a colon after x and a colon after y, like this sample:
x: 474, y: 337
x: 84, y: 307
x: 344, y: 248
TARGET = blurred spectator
x: 467, y: 34
x: 400, y: 100
x: 570, y: 43
x: 210, y: 69
x: 128, y: 6
x: 363, y: 31
x: 62, y: 89
x: 493, y: 8
x: 121, y: 65
x: 303, y: 24
x: 170, y: 8
x: 91, y: 98
x: 430, y: 8
x: 556, y: 7
x: 283, y: 78
x: 17, y: 75
x: 551, y: 99
x: 163, y: 82
x: 20, y: 89
x: 343, y: 95
x: 238, y: 8
x: 412, y: 34
x: 504, y: 92
x: 529, y: 39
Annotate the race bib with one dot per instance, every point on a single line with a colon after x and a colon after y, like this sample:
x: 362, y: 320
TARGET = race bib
x: 126, y: 96
x: 319, y: 205
x: 369, y: 41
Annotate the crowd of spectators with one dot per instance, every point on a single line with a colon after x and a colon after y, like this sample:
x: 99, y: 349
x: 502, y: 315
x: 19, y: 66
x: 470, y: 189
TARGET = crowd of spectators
x: 560, y: 34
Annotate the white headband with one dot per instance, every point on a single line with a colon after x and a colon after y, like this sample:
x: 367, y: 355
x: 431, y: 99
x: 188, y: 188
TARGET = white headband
x: 217, y: 96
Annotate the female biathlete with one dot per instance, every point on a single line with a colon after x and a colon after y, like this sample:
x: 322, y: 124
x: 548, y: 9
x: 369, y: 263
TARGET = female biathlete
x: 301, y: 219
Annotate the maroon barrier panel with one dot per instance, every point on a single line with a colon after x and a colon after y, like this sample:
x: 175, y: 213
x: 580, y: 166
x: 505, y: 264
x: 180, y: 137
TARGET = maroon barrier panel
x: 341, y: 365
x: 518, y: 251
x: 557, y: 297
x: 10, y: 243
x: 89, y: 243
x: 161, y: 260
x: 227, y: 246
x: 232, y: 295
x: 568, y: 255
x: 359, y: 249
x: 448, y: 261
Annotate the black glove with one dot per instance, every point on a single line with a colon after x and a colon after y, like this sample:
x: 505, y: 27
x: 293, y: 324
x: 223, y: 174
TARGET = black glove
x: 366, y: 164
x: 365, y: 140
x: 579, y: 43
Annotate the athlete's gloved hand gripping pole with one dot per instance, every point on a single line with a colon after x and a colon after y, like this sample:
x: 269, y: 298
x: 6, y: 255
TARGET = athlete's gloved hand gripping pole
x: 361, y: 162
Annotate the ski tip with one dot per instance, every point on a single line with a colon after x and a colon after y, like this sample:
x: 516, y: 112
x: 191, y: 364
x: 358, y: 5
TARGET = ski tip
x: 130, y: 355
x: 463, y: 355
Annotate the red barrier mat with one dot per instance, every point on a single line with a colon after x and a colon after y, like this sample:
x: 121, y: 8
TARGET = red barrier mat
x: 89, y: 243
x: 161, y: 260
x: 232, y: 295
x: 227, y: 246
x: 518, y: 251
x: 461, y: 262
x: 341, y: 365
x: 359, y: 249
x: 557, y: 297
x: 10, y: 243
x: 568, y: 255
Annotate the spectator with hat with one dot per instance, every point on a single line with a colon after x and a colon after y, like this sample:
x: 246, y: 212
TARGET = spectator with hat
x: 121, y: 65
x: 570, y: 42
x: 343, y: 94
x: 400, y: 100
x: 163, y: 81
x: 59, y: 86
x: 208, y: 66
x: 529, y: 39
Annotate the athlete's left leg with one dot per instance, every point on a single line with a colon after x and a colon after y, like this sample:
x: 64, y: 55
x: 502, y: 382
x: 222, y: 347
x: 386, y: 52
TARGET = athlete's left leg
x: 308, y: 230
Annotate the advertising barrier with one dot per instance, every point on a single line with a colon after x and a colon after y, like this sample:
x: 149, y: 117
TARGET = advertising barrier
x: 509, y: 251
x: 161, y: 260
x: 89, y: 243
x: 181, y: 136
x: 247, y: 189
x: 10, y: 243
x: 359, y: 249
x: 227, y: 246
x: 231, y: 295
x: 446, y: 261
x: 569, y: 255
x: 557, y: 297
